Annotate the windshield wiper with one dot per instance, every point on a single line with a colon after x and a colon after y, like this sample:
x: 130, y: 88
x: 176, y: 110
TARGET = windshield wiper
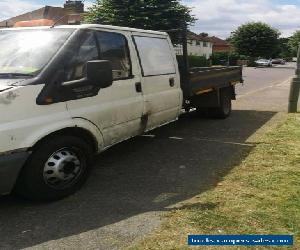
x: 15, y: 75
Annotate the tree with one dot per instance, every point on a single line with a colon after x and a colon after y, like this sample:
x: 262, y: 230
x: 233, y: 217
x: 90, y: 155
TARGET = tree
x: 203, y: 34
x: 255, y: 39
x: 150, y: 14
x: 284, y: 49
x: 294, y: 42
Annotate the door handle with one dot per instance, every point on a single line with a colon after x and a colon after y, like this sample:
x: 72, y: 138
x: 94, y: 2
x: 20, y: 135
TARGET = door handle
x: 138, y: 87
x: 172, y: 82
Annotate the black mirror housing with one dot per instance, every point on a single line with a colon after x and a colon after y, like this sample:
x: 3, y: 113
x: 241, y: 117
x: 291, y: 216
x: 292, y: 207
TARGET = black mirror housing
x: 99, y: 73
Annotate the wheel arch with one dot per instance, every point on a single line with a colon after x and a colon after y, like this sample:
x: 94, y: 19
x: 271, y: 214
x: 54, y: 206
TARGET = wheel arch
x: 77, y: 127
x: 78, y: 132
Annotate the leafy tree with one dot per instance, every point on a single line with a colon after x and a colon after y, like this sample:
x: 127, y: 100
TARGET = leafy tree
x: 203, y: 34
x: 284, y: 49
x: 144, y: 14
x: 294, y: 42
x: 255, y: 39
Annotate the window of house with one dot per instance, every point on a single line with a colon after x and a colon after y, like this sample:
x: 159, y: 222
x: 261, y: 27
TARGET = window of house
x: 204, y: 44
x: 198, y: 43
x: 155, y: 56
x: 114, y: 48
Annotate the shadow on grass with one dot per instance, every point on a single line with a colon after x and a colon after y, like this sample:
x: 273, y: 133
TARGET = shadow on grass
x: 143, y: 174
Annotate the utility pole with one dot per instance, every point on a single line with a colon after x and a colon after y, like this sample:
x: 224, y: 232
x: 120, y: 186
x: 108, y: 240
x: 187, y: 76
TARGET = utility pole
x: 295, y: 88
x: 185, y: 49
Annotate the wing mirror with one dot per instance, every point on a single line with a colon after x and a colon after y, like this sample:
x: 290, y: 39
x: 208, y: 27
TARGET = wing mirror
x: 99, y: 72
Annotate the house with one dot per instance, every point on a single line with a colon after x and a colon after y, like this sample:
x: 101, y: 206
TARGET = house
x: 198, y: 45
x: 220, y: 45
x: 48, y: 13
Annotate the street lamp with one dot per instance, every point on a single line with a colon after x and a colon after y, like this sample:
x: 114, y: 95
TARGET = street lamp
x: 295, y: 88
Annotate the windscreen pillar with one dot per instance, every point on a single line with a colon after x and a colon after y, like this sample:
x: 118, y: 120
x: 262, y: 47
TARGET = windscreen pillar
x: 295, y: 88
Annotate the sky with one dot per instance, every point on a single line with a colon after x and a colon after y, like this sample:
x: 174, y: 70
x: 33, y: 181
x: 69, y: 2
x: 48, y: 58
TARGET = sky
x: 216, y: 17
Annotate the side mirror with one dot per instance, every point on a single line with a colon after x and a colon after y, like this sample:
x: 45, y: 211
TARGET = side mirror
x: 99, y: 72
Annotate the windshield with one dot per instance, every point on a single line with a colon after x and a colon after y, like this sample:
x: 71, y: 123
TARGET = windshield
x: 25, y: 52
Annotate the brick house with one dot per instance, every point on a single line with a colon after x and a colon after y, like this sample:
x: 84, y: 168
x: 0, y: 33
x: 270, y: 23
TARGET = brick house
x: 49, y: 13
x: 220, y: 45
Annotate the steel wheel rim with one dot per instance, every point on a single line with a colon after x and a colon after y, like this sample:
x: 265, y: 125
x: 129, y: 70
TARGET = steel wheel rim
x: 62, y: 169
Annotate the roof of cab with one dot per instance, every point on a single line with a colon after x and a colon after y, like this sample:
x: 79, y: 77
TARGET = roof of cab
x: 89, y: 26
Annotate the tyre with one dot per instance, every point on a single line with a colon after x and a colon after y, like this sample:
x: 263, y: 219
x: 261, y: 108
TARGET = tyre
x: 57, y: 168
x: 225, y: 108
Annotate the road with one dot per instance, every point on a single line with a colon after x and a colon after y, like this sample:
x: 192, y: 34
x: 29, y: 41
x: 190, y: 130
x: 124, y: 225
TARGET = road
x: 134, y: 183
x: 265, y: 89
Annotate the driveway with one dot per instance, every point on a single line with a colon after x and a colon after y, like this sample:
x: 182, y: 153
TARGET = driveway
x: 136, y: 182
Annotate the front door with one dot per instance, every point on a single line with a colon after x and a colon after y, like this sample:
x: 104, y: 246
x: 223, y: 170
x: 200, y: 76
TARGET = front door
x: 116, y: 110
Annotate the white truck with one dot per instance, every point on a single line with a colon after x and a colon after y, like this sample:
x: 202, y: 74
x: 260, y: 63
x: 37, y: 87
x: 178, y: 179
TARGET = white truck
x: 70, y: 92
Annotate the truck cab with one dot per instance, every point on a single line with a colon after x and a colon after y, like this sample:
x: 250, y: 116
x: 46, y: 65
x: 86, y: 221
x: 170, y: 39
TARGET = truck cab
x: 70, y: 92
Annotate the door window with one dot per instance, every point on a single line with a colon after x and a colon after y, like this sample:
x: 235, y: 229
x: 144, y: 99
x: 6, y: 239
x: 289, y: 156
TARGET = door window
x: 99, y: 46
x: 114, y: 48
x: 87, y: 51
x: 155, y: 56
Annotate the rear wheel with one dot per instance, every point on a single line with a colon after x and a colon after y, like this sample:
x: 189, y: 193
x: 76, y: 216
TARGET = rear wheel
x: 57, y: 168
x: 225, y: 108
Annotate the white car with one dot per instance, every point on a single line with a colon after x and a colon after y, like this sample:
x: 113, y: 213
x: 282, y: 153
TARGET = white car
x: 264, y: 63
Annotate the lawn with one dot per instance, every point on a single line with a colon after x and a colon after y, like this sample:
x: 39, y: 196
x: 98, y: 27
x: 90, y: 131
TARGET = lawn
x: 259, y: 196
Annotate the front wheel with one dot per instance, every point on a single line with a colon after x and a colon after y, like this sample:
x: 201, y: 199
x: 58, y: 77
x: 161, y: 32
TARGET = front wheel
x: 57, y: 168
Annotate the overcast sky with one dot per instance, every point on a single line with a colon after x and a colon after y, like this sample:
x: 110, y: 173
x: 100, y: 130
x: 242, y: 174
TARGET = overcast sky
x: 216, y: 17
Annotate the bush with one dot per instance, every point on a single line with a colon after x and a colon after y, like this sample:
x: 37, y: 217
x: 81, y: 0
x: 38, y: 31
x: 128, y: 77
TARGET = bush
x: 195, y: 61
x: 288, y: 59
x: 251, y: 62
x: 222, y: 58
x: 198, y: 61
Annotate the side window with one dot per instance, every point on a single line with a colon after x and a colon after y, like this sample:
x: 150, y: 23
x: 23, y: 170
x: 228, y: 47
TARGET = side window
x: 87, y: 51
x: 155, y: 56
x: 114, y: 48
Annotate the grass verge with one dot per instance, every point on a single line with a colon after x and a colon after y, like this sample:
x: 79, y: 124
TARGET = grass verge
x: 260, y: 196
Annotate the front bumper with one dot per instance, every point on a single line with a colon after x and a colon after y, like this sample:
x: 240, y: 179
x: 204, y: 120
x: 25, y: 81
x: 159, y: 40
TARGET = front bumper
x: 10, y: 166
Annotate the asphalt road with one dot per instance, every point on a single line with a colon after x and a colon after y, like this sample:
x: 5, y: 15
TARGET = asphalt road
x: 259, y: 78
x: 135, y: 182
x: 265, y: 89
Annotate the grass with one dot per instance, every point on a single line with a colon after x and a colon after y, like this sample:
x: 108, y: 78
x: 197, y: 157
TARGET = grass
x: 260, y: 196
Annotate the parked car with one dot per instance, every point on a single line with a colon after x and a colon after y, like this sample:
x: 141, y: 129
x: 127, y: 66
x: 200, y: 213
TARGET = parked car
x: 278, y: 61
x: 264, y: 63
x: 70, y: 92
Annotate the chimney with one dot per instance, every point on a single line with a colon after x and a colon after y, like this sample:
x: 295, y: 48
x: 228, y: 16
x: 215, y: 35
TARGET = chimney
x: 73, y: 7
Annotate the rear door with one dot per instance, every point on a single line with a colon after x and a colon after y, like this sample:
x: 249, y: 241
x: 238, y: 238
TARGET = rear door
x: 160, y: 79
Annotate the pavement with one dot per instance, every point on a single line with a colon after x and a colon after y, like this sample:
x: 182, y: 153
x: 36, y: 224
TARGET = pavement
x: 136, y: 182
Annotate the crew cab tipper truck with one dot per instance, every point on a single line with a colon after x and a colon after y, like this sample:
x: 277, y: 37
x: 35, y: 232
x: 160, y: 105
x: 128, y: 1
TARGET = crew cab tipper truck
x: 70, y: 92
